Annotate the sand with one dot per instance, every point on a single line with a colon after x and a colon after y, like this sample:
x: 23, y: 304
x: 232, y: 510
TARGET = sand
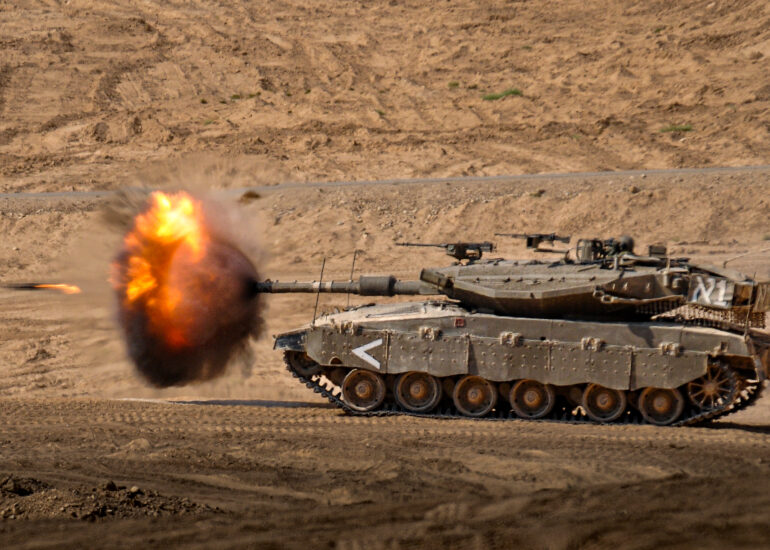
x: 348, y: 90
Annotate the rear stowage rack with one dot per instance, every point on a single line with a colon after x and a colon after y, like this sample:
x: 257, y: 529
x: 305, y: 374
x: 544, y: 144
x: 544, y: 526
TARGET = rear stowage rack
x: 727, y: 319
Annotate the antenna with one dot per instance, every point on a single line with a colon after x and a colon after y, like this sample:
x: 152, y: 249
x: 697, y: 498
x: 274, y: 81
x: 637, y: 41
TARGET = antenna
x: 751, y: 308
x: 352, y: 269
x: 318, y: 294
x: 724, y: 264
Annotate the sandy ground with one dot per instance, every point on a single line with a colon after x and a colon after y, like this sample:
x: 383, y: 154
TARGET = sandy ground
x: 250, y: 476
x: 108, y: 95
x: 356, y: 90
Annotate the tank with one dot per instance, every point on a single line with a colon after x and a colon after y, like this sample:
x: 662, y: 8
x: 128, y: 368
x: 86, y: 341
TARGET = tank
x: 592, y: 333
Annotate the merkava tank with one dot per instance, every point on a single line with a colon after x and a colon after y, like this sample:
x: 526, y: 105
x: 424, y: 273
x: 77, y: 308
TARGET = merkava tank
x: 600, y: 334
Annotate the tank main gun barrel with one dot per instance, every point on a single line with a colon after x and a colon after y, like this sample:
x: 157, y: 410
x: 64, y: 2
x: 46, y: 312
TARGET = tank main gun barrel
x: 364, y: 286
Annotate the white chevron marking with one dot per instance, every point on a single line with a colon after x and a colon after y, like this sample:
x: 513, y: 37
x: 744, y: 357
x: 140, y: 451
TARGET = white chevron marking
x: 360, y: 352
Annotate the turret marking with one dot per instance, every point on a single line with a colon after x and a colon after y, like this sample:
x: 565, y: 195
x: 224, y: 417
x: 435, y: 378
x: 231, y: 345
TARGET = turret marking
x: 711, y: 291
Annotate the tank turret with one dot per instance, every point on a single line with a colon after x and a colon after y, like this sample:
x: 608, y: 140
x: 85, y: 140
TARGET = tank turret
x: 600, y: 333
x: 605, y: 281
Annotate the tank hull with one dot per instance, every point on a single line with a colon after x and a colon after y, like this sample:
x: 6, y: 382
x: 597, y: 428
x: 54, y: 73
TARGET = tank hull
x: 447, y: 342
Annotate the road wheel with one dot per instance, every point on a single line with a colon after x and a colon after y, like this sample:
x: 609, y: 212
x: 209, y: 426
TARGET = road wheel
x: 363, y: 390
x: 715, y: 389
x: 532, y: 399
x: 302, y: 364
x: 603, y: 404
x: 417, y: 391
x: 661, y: 406
x: 474, y: 396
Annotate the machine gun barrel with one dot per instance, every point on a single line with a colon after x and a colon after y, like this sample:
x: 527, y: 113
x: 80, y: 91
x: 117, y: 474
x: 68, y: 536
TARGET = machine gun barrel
x: 364, y: 286
x: 434, y: 245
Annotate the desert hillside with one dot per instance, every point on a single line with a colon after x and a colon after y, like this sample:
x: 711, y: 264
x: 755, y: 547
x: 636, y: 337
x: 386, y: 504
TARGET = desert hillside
x: 354, y: 90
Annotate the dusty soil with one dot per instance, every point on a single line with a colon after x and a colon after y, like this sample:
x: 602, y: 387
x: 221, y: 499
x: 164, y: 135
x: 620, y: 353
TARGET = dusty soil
x: 356, y: 90
x: 104, y: 95
x: 245, y: 475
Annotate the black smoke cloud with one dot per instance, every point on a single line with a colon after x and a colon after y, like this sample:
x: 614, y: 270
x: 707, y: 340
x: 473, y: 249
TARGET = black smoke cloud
x: 218, y: 311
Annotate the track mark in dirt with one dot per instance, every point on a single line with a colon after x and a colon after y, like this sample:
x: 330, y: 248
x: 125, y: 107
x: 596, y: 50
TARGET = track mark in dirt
x: 396, y: 481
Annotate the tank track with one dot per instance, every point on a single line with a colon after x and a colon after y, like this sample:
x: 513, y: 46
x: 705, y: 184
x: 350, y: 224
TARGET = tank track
x: 747, y: 396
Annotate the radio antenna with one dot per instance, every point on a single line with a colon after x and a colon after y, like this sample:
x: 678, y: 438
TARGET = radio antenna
x: 352, y: 269
x: 724, y: 264
x: 318, y: 294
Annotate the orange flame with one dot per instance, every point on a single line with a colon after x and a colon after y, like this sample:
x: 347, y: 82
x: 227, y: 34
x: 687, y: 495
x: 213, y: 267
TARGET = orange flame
x: 172, y: 228
x: 66, y: 289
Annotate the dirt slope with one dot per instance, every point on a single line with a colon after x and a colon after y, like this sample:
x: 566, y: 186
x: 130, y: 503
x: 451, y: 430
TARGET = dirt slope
x: 352, y: 90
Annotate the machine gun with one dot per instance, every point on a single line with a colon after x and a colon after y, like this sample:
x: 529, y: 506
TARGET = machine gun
x: 534, y: 240
x: 461, y: 250
x: 591, y: 250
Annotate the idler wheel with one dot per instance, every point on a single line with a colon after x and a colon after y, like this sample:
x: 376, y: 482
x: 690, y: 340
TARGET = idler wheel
x: 417, y: 391
x: 474, y: 396
x: 661, y: 406
x: 302, y: 364
x: 532, y: 399
x: 362, y: 390
x: 717, y: 388
x: 603, y: 404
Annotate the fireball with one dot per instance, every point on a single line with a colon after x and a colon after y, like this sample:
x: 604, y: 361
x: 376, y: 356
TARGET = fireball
x: 170, y: 233
x: 186, y: 297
